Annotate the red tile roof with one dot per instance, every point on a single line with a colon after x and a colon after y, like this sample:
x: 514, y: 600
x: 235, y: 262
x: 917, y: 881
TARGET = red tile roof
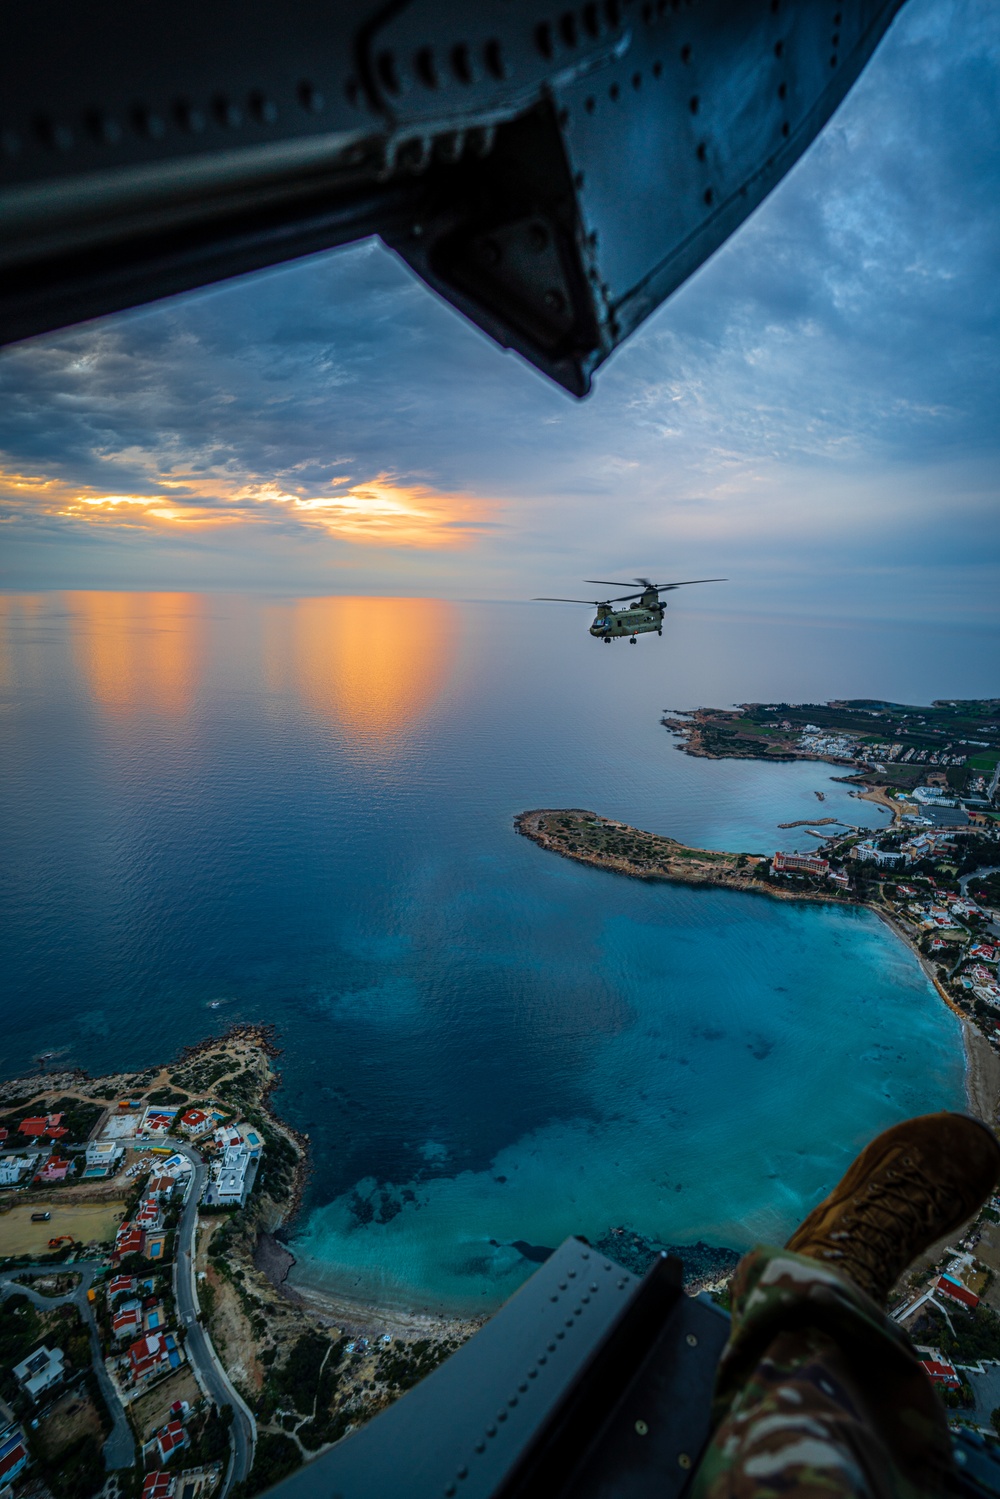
x: 941, y: 1373
x: 53, y: 1171
x: 170, y: 1438
x: 147, y: 1354
x: 40, y: 1124
x: 130, y: 1240
x: 957, y: 1292
x: 129, y: 1320
x: 12, y: 1458
x: 157, y: 1486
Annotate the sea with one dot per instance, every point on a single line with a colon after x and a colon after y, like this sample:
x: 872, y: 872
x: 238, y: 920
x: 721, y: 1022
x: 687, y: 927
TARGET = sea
x: 218, y: 808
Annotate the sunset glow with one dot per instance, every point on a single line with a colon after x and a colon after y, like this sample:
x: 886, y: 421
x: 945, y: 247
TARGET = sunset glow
x: 377, y: 512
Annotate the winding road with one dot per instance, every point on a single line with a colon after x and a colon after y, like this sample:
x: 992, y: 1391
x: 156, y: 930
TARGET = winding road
x: 119, y: 1449
x: 978, y: 874
x: 201, y: 1354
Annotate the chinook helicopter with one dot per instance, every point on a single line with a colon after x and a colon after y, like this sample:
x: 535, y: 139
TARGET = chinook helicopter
x: 637, y: 618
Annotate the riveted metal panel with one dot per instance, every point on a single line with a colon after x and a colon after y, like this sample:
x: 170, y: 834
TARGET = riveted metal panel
x: 471, y: 1421
x: 676, y: 142
x: 588, y: 1384
x: 553, y: 173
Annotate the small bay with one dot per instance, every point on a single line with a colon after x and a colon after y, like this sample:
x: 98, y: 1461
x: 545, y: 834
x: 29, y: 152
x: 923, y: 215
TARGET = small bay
x: 218, y: 808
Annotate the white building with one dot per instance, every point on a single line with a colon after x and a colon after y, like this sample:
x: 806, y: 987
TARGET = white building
x: 868, y: 853
x: 14, y: 1168
x: 40, y: 1370
x: 176, y: 1165
x: 104, y: 1153
x: 232, y: 1177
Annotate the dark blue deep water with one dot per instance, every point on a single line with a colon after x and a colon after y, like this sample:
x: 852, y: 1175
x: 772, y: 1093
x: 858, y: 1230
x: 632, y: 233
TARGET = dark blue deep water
x: 217, y: 808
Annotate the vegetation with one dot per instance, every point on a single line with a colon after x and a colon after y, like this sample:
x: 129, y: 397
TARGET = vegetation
x: 201, y: 1074
x: 208, y: 1437
x: 75, y: 1471
x: 276, y: 1456
x: 241, y: 1090
x: 22, y: 1329
x: 297, y: 1380
x: 976, y: 1336
x: 406, y: 1364
x: 78, y: 1118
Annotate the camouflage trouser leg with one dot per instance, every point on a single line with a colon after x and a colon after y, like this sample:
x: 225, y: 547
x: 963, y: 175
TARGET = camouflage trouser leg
x: 819, y: 1394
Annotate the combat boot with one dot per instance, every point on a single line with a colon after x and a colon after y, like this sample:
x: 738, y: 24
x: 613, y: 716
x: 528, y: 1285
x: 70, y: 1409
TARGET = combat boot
x: 911, y: 1186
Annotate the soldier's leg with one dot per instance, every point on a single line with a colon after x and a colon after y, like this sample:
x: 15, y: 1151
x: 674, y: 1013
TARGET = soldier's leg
x: 818, y: 1392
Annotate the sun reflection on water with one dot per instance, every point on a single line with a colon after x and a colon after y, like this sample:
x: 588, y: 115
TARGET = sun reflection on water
x: 139, y: 652
x: 373, y: 667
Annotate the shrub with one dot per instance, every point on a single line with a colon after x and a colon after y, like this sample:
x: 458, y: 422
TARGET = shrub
x: 275, y: 1458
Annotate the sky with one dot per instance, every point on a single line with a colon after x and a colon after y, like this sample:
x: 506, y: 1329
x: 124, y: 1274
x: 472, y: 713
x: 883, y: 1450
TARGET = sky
x: 815, y: 415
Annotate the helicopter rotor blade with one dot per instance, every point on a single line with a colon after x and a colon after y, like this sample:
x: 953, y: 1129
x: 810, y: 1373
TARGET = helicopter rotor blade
x: 567, y: 601
x: 607, y: 582
x: 662, y: 587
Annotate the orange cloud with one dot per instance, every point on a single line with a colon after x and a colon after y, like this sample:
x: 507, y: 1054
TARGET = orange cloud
x: 376, y: 512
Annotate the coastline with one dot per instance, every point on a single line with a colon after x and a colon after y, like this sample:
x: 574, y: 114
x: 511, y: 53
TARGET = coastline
x: 255, y: 1321
x: 680, y: 864
x: 982, y: 1063
x: 675, y: 863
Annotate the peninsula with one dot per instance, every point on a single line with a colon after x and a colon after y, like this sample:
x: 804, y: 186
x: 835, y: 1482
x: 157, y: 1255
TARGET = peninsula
x: 955, y: 742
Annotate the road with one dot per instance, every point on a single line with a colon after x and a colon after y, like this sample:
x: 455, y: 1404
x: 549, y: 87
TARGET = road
x: 201, y: 1354
x: 963, y: 885
x: 119, y: 1449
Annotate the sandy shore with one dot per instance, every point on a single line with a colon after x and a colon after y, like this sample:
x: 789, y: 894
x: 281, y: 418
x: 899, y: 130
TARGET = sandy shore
x: 982, y: 1063
x: 366, y: 1319
x: 982, y: 1075
x: 878, y: 795
x: 358, y: 1317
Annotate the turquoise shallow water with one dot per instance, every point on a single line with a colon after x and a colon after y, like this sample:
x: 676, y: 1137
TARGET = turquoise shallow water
x: 216, y: 808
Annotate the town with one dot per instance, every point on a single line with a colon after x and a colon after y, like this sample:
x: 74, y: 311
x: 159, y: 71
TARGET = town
x: 149, y: 1347
x: 930, y: 872
x: 102, y: 1373
x: 949, y: 1304
x: 890, y: 744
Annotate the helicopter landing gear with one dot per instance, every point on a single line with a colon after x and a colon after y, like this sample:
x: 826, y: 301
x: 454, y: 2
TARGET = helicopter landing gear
x: 633, y: 641
x: 607, y: 640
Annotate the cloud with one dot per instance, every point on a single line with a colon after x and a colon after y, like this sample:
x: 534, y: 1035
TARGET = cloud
x: 377, y: 513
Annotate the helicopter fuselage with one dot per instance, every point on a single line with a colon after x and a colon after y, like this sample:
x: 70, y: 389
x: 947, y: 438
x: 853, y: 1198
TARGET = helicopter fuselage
x: 625, y: 624
x: 643, y: 610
